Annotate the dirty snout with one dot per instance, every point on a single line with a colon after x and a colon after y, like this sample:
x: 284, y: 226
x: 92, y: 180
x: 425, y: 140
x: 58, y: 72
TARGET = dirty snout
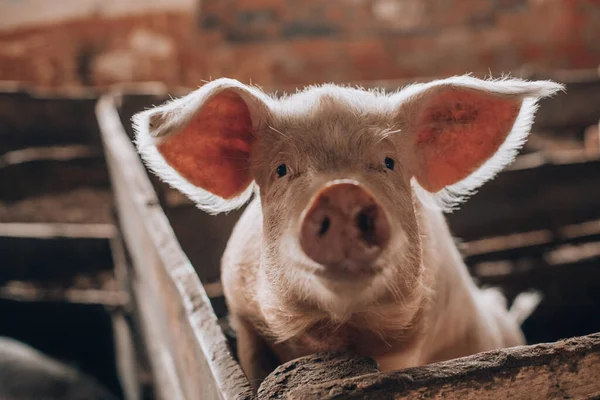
x: 344, y: 228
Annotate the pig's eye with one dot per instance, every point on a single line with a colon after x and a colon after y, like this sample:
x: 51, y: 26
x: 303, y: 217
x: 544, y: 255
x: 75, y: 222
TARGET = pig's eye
x: 281, y: 170
x: 389, y: 163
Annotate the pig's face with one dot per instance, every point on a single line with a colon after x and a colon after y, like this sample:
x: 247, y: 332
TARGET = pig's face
x: 336, y: 198
x: 337, y: 170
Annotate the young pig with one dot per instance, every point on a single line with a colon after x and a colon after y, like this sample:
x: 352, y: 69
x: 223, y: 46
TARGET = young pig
x: 345, y: 247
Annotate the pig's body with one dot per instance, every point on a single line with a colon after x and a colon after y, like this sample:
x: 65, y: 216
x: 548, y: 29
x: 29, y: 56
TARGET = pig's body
x: 453, y: 318
x: 345, y: 247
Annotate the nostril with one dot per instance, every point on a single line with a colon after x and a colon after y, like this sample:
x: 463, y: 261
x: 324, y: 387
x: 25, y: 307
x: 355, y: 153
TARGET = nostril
x: 365, y: 221
x: 324, y: 226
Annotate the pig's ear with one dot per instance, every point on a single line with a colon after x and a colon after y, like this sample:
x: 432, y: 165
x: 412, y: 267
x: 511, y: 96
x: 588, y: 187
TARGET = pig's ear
x: 201, y: 143
x: 459, y: 132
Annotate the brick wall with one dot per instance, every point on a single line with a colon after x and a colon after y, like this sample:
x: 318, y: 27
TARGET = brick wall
x: 289, y: 42
x: 20, y: 13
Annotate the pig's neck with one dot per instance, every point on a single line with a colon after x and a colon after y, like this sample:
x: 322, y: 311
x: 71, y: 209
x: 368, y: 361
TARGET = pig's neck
x: 453, y: 313
x: 449, y: 314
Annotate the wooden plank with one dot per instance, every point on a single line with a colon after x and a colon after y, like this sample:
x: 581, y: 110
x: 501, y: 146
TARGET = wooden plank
x: 35, y: 292
x: 42, y: 176
x: 53, y: 259
x: 126, y: 357
x: 187, y: 343
x: 58, y: 262
x: 314, y: 369
x: 546, y: 196
x: 567, y: 265
x: 57, y: 230
x: 81, y: 206
x: 565, y: 369
x: 567, y: 277
x: 145, y: 261
x: 133, y: 363
x: 31, y: 119
x: 533, y: 243
x: 58, y: 153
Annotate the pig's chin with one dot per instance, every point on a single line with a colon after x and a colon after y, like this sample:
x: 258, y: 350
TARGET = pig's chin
x: 348, y: 282
x: 345, y: 285
x: 348, y: 273
x: 342, y: 294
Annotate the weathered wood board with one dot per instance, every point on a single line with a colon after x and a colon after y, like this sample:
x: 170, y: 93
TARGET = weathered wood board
x: 189, y: 353
x: 568, y: 369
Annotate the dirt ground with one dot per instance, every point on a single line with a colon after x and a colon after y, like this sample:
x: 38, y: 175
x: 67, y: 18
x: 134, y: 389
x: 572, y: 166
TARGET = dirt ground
x: 82, y: 205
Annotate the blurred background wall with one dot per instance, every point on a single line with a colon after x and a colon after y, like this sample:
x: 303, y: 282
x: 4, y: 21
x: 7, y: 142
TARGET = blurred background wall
x: 71, y: 43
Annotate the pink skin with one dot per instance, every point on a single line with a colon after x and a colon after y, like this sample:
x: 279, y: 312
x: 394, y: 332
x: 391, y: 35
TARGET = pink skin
x: 344, y: 229
x: 343, y: 249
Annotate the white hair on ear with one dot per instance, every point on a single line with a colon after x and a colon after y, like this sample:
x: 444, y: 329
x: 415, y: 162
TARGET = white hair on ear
x: 426, y: 198
x: 156, y: 163
x: 173, y: 116
x: 449, y: 198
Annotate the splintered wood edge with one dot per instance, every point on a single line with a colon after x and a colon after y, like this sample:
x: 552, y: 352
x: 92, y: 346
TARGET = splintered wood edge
x: 564, y: 369
x: 197, y: 316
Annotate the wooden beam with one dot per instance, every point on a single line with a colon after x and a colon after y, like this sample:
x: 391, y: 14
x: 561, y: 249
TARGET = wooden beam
x: 36, y: 292
x: 133, y: 363
x: 188, y: 349
x: 56, y: 153
x: 307, y: 371
x: 545, y: 196
x: 32, y: 119
x: 565, y: 369
x: 527, y: 244
x: 52, y: 258
x: 57, y: 230
x: 43, y: 175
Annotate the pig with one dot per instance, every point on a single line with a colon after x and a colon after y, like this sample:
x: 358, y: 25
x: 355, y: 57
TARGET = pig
x: 27, y: 374
x: 344, y: 245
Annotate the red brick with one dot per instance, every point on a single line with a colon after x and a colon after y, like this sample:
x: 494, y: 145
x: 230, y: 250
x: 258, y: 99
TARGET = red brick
x: 453, y: 36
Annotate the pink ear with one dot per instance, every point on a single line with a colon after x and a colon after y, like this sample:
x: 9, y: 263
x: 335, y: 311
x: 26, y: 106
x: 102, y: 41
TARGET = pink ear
x: 212, y: 151
x: 456, y: 130
x: 201, y: 144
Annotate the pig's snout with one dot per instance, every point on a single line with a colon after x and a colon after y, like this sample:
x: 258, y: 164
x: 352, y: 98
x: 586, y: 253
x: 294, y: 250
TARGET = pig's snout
x: 344, y: 226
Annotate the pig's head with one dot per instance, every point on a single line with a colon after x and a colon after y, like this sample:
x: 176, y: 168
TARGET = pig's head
x: 337, y: 170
